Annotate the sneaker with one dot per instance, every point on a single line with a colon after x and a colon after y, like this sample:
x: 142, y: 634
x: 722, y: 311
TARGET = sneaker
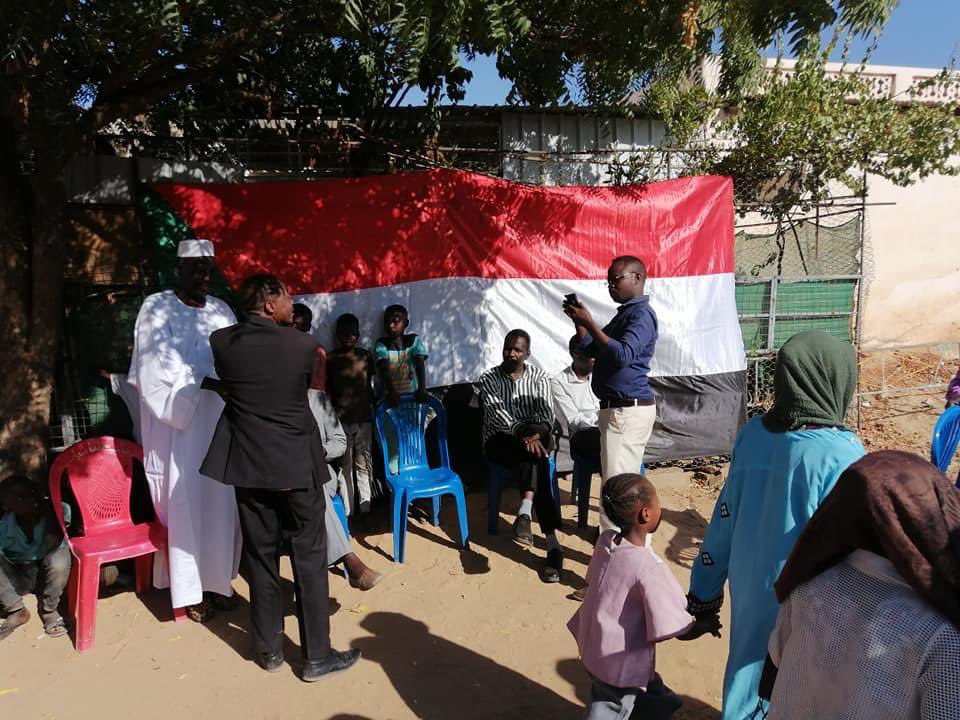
x: 580, y: 594
x: 550, y: 572
x: 521, y: 530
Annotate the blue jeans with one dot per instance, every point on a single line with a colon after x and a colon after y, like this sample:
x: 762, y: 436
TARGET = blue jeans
x: 47, y: 578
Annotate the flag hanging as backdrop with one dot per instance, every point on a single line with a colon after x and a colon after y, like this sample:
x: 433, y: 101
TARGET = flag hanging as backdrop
x: 473, y: 257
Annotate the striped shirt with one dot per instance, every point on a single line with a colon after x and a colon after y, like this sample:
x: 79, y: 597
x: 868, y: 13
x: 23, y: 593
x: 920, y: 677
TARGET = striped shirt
x: 508, y: 403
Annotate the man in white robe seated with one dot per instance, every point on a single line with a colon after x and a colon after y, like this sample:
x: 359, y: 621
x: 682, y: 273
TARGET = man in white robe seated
x: 171, y: 358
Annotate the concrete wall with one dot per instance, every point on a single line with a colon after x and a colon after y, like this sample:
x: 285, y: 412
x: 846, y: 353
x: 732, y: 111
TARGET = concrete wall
x: 106, y: 180
x: 912, y: 264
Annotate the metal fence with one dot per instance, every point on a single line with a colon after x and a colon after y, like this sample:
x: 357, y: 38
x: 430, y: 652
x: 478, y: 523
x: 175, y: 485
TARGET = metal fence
x: 807, y: 276
x: 773, y: 309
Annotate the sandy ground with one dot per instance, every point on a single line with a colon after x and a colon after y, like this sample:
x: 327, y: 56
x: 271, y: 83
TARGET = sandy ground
x: 903, y: 422
x: 447, y: 635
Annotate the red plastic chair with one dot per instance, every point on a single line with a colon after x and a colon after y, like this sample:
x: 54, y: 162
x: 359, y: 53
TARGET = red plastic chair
x: 100, y: 472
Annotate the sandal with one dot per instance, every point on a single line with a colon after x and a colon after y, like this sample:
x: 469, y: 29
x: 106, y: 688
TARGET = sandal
x: 201, y: 612
x: 55, y: 627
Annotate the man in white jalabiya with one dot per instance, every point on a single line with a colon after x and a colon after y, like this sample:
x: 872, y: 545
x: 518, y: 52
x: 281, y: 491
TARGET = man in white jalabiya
x: 171, y: 358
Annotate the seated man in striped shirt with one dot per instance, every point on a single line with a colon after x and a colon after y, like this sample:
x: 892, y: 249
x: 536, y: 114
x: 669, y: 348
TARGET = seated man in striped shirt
x: 517, y: 424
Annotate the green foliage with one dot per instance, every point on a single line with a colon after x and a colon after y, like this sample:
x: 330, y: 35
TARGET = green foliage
x: 607, y: 49
x: 78, y: 66
x: 204, y: 68
x: 73, y: 68
x: 789, y: 144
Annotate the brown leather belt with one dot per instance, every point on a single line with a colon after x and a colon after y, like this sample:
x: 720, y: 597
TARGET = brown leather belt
x: 605, y: 404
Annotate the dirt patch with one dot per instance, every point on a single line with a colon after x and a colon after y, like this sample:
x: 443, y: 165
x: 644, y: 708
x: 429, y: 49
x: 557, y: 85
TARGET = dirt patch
x: 895, y: 370
x: 471, y: 636
x: 890, y: 412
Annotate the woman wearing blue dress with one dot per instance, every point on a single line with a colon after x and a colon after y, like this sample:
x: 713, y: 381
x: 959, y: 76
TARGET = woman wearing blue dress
x: 783, y: 464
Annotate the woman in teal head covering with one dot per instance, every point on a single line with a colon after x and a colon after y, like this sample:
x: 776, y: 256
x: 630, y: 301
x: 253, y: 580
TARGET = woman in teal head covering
x: 783, y: 464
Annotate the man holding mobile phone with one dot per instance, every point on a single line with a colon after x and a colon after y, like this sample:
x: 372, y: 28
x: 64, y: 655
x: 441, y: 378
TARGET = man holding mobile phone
x: 623, y: 348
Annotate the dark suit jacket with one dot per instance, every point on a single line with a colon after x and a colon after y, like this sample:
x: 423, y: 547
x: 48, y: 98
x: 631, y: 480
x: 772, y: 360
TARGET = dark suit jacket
x: 266, y: 438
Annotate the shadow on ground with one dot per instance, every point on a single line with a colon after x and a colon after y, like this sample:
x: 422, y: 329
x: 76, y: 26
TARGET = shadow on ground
x: 690, y: 526
x: 439, y: 680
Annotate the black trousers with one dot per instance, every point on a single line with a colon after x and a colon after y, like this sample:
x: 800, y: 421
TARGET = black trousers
x: 534, y: 474
x: 266, y: 516
x: 586, y: 444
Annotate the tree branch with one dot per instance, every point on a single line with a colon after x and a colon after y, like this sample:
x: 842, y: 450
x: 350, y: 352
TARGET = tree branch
x: 103, y: 114
x: 139, y: 89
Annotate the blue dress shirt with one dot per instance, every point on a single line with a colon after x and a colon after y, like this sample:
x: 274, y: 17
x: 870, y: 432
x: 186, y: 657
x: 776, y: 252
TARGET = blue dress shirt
x: 622, y: 366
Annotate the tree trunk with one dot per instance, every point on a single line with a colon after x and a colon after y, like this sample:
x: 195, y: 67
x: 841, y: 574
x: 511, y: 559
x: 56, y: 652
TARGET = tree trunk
x: 31, y: 303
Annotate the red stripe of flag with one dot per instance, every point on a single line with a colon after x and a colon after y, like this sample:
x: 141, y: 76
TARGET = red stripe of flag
x: 330, y: 236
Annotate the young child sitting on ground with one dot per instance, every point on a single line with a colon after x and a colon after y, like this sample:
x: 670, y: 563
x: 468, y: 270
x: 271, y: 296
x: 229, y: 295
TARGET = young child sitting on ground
x: 34, y: 556
x: 349, y: 371
x: 401, y: 358
x: 632, y: 602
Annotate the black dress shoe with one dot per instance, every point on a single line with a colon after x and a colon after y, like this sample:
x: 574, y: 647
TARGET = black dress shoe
x: 336, y: 661
x: 550, y: 572
x: 521, y: 530
x: 271, y: 662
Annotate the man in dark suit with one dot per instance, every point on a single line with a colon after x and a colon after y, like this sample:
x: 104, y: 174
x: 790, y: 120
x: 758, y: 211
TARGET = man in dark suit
x: 267, y: 445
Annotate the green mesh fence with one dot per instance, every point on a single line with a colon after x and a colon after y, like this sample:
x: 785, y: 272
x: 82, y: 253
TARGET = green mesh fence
x: 805, y: 279
x: 806, y: 249
x: 97, y: 341
x: 773, y: 310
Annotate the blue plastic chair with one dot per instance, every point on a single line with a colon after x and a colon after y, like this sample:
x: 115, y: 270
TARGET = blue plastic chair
x: 341, y: 512
x: 583, y: 471
x: 415, y: 478
x: 946, y: 436
x: 497, y: 476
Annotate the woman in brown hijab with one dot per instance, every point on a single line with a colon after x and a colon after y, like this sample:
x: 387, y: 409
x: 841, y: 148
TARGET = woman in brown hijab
x: 870, y: 622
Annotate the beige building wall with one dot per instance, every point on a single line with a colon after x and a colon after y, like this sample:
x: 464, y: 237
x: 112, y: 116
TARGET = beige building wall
x: 912, y: 264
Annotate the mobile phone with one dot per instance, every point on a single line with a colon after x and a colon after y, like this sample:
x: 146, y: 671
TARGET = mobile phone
x: 572, y: 299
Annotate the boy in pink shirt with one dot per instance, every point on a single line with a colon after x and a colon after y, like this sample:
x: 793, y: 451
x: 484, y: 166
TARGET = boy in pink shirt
x: 632, y: 602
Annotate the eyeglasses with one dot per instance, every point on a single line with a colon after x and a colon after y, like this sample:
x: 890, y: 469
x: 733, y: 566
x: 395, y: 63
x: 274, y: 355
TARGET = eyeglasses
x: 612, y: 282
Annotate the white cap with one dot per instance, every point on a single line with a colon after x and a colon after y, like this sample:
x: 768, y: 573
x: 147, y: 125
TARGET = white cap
x: 195, y: 249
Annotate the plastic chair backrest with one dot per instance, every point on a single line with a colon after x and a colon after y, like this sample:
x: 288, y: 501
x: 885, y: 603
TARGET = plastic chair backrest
x: 100, y: 473
x: 409, y: 422
x: 946, y: 436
